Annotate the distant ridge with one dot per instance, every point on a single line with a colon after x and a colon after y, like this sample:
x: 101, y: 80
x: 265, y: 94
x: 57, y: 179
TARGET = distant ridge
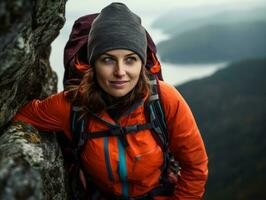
x: 216, y: 43
x: 230, y: 108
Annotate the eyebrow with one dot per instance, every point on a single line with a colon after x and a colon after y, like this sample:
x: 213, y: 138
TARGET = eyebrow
x: 108, y: 54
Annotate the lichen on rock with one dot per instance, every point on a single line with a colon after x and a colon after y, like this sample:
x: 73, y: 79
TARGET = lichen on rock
x: 35, y: 164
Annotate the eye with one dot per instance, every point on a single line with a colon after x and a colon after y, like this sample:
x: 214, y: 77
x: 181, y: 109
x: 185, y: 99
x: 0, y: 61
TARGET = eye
x: 131, y: 59
x: 107, y: 60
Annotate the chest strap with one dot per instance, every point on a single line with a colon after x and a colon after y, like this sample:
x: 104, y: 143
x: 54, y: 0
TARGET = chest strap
x: 118, y: 131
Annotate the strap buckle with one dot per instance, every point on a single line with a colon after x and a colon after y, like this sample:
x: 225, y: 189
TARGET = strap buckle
x: 121, y: 133
x: 131, y: 129
x: 118, y: 131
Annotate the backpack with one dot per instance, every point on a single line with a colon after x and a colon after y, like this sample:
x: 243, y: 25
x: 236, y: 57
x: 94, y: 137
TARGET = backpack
x: 75, y: 55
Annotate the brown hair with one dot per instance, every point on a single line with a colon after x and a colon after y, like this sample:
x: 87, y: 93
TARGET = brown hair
x: 90, y: 96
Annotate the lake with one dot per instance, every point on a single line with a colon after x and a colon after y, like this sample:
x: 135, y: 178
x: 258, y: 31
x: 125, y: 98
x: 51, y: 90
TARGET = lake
x: 176, y: 74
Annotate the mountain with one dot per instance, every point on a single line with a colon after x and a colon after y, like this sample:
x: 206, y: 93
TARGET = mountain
x: 216, y: 43
x: 230, y: 109
x: 181, y: 20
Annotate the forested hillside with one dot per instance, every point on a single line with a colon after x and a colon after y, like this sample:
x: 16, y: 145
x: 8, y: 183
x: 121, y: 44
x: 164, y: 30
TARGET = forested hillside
x: 216, y: 43
x: 230, y: 108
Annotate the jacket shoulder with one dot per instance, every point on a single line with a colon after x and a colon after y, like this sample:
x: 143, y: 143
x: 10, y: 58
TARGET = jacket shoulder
x: 172, y: 101
x: 168, y: 93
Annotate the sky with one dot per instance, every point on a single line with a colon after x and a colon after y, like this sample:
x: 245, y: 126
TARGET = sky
x: 154, y: 5
x: 147, y: 10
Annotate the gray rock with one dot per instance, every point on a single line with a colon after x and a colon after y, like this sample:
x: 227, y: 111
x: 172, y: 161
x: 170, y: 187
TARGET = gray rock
x: 31, y: 165
x: 27, y: 31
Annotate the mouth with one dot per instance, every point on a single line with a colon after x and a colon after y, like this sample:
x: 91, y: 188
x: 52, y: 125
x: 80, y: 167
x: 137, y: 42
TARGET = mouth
x: 118, y: 84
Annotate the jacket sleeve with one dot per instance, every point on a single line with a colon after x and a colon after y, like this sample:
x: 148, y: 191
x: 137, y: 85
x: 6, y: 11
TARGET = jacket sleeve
x: 50, y: 114
x: 186, y: 144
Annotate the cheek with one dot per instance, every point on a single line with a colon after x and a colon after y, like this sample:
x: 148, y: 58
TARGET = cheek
x: 136, y: 73
x: 101, y: 75
x: 139, y: 72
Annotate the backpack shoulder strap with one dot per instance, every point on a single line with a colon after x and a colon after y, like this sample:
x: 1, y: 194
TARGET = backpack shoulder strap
x: 78, y: 125
x: 155, y: 114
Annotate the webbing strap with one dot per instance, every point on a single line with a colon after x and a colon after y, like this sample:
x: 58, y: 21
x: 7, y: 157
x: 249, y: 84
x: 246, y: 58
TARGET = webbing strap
x: 155, y: 114
x: 154, y: 97
x: 77, y: 127
x: 153, y: 82
x: 76, y: 108
x: 119, y: 131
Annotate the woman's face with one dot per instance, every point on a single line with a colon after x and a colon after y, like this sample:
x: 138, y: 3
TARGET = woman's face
x: 118, y: 71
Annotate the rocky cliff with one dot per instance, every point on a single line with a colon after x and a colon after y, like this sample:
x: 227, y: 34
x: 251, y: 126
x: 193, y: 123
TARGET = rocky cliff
x: 30, y: 162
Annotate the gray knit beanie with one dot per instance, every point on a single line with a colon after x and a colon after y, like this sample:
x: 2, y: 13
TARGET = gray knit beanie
x: 116, y: 27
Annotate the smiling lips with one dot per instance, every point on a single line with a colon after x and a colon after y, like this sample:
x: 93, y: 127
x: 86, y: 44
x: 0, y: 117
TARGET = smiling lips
x: 118, y: 84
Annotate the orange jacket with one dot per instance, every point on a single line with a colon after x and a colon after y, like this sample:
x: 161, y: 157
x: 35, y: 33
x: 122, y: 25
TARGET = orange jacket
x: 108, y: 162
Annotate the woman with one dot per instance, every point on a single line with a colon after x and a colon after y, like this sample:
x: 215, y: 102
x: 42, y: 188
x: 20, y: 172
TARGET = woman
x: 113, y: 92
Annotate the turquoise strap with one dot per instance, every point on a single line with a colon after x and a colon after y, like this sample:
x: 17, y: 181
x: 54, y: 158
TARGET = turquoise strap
x: 122, y: 168
x: 107, y: 159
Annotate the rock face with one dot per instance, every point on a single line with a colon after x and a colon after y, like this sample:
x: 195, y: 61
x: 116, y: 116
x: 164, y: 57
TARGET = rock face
x: 27, y: 30
x: 31, y: 165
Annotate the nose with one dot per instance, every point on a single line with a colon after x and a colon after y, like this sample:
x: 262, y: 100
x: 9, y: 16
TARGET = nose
x: 119, y: 69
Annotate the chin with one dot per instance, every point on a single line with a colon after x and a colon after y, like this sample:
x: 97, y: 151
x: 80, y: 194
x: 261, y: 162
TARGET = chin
x: 119, y: 94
